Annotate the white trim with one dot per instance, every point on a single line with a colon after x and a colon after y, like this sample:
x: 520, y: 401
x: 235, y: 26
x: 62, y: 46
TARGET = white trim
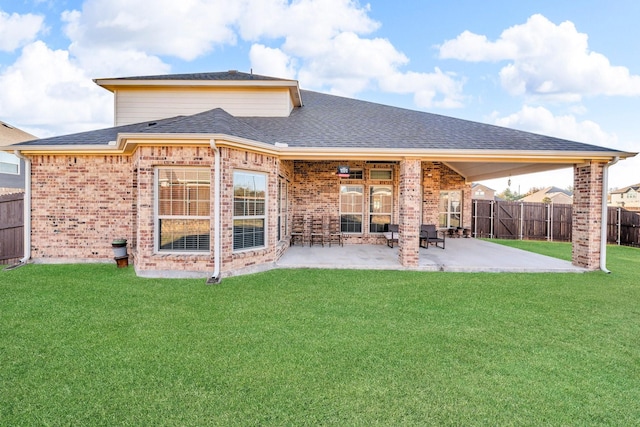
x: 372, y: 214
x: 362, y: 208
x: 264, y: 217
x: 156, y: 209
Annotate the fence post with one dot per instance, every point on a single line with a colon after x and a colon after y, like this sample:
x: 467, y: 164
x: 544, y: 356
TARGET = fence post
x: 550, y: 213
x: 475, y: 217
x: 521, y: 220
x: 492, y: 217
x: 619, y: 225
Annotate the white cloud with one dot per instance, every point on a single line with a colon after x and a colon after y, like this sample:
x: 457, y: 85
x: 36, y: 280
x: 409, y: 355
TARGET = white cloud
x: 547, y: 60
x: 271, y: 62
x: 184, y: 29
x: 47, y: 94
x: 321, y: 41
x: 350, y: 64
x: 18, y: 30
x: 541, y: 120
x: 326, y: 44
x: 435, y: 89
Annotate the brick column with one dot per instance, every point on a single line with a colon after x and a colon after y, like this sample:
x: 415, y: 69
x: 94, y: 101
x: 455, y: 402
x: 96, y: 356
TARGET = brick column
x: 587, y: 215
x: 409, y: 221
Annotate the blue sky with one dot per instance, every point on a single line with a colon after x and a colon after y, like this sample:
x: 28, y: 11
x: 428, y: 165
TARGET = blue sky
x: 564, y: 68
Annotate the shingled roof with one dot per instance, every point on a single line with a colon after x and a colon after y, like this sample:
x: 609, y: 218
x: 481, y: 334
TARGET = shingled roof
x: 217, y: 76
x: 323, y: 126
x: 328, y: 121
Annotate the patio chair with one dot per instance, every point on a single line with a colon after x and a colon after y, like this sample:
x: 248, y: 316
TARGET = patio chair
x: 335, y: 235
x: 297, y: 230
x: 392, y: 234
x: 430, y: 235
x: 317, y: 230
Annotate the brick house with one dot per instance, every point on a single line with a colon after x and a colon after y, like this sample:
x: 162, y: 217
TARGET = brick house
x: 627, y: 197
x: 204, y: 173
x: 555, y: 195
x: 12, y: 176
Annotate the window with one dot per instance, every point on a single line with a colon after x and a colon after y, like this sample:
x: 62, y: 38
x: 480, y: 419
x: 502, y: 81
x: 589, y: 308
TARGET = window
x: 351, y: 210
x: 9, y: 164
x: 249, y: 209
x: 450, y: 209
x: 183, y: 209
x: 381, y: 174
x: 380, y: 208
x: 355, y: 174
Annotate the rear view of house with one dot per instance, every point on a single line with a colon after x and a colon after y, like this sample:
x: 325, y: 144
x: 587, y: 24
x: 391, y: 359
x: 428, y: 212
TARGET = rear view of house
x: 204, y: 174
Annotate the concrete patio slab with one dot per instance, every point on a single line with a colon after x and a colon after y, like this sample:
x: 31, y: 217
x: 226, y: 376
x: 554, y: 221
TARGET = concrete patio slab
x: 460, y: 255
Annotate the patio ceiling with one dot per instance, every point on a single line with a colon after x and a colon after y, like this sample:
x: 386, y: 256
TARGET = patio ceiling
x: 477, y: 171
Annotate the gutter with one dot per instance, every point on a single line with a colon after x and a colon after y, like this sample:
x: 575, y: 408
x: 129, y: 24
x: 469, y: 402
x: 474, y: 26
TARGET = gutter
x: 26, y: 206
x: 215, y: 277
x: 604, y: 214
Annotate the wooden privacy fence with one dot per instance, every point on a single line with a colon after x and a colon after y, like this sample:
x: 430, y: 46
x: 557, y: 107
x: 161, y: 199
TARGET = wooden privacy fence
x: 545, y: 221
x: 11, y: 228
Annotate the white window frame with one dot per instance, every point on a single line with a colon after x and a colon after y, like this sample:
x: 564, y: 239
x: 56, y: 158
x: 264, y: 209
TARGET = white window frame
x: 362, y: 210
x: 449, y: 213
x: 262, y: 217
x: 157, y: 218
x: 379, y: 213
x: 10, y: 160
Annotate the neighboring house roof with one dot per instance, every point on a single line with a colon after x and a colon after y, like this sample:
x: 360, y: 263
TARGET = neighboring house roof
x: 329, y: 126
x: 635, y: 187
x: 10, y: 135
x: 482, y: 192
x: 555, y: 194
x: 11, y: 167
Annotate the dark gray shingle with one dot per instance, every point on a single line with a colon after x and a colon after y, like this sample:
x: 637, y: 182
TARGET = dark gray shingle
x: 328, y: 121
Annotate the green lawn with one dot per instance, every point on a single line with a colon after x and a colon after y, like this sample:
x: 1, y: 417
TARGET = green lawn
x: 95, y: 345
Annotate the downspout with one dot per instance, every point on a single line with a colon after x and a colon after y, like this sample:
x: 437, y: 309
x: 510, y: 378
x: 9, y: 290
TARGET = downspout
x: 27, y: 207
x: 604, y: 214
x: 215, y: 277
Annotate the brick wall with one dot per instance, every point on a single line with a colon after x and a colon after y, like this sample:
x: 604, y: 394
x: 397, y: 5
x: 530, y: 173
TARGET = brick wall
x: 316, y: 191
x: 438, y: 177
x: 587, y: 215
x: 145, y: 160
x: 79, y: 205
x: 409, y: 200
x: 234, y: 159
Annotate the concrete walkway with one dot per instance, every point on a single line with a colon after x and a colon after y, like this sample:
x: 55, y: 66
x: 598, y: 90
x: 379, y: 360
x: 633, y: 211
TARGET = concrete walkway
x: 461, y: 255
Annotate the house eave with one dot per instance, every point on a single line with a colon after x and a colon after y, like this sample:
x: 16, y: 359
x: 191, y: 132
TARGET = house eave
x: 472, y: 165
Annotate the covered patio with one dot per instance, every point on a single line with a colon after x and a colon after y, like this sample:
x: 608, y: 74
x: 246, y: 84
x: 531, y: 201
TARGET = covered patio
x: 460, y: 255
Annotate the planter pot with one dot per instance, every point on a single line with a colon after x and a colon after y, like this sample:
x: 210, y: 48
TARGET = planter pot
x: 119, y: 248
x: 122, y: 262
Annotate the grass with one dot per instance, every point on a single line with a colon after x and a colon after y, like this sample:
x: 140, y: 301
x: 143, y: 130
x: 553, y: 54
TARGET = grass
x: 96, y: 345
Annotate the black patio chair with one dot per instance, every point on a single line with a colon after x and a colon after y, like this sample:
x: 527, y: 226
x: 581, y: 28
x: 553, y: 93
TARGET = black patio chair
x: 392, y: 234
x: 430, y: 235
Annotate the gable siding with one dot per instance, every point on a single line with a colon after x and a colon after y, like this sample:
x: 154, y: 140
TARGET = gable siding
x: 139, y: 105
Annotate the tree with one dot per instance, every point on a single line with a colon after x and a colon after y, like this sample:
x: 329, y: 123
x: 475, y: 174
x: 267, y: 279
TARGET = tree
x: 507, y: 194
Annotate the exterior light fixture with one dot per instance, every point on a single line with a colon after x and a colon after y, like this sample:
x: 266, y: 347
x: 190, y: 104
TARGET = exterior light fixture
x: 343, y: 172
